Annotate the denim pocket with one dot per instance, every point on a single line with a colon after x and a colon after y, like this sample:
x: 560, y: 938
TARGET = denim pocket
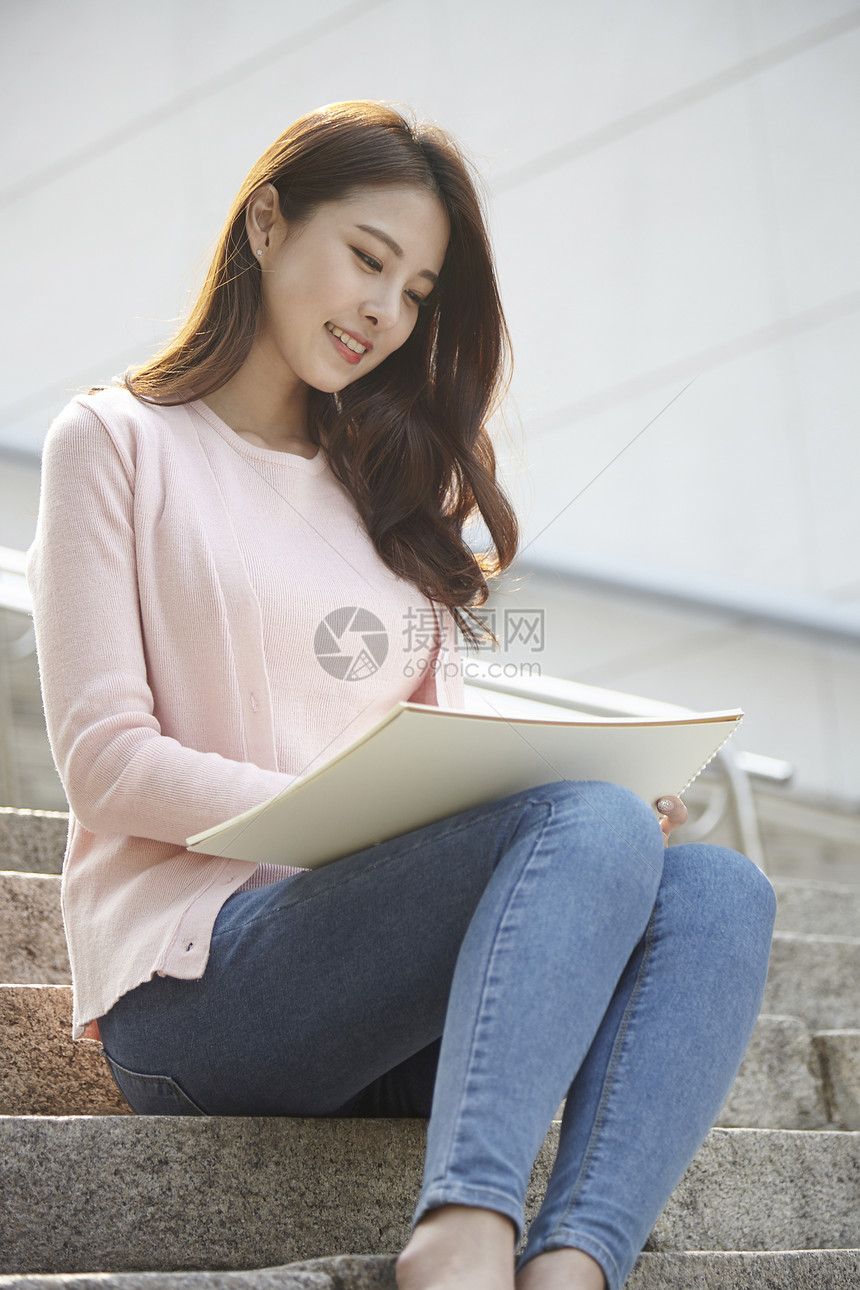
x: 152, y: 1094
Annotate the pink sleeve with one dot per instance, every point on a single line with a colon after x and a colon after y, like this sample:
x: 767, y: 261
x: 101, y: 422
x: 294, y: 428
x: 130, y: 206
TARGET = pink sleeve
x: 120, y: 774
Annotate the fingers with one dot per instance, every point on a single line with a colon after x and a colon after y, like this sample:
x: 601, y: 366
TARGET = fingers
x: 673, y: 813
x: 673, y: 809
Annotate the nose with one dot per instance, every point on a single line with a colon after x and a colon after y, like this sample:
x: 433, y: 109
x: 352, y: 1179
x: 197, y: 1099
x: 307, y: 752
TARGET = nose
x: 383, y: 311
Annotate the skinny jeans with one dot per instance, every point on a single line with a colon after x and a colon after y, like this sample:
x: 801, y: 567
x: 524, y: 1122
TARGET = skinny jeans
x: 480, y: 970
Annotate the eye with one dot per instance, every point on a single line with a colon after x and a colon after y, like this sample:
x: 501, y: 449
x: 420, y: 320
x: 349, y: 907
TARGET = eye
x: 423, y: 302
x: 368, y: 259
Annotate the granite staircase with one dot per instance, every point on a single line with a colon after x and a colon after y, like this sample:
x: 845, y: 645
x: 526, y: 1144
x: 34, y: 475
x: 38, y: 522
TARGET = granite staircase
x: 92, y: 1196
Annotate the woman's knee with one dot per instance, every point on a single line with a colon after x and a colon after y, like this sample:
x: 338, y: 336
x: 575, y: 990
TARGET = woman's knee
x: 601, y: 801
x: 723, y: 884
x: 608, y: 829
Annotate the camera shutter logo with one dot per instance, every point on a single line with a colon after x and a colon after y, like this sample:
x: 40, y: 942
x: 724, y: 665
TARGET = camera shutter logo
x: 351, y: 643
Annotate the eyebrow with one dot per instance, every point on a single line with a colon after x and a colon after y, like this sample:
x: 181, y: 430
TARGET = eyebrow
x: 395, y: 247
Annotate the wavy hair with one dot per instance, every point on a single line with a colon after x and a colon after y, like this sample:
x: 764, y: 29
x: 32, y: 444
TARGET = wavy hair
x: 408, y: 440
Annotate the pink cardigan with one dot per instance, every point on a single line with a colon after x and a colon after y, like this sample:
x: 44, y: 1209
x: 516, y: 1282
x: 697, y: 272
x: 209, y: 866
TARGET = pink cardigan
x: 157, y: 686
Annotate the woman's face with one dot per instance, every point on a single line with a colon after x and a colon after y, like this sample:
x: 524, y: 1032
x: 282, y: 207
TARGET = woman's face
x: 344, y: 290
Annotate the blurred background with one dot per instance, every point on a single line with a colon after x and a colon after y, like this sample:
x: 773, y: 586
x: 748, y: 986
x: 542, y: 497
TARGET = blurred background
x: 674, y: 197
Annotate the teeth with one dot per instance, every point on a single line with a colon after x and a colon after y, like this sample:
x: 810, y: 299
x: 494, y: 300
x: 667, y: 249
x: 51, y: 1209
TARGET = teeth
x: 347, y: 340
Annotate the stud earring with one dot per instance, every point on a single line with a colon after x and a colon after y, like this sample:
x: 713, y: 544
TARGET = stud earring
x: 259, y: 252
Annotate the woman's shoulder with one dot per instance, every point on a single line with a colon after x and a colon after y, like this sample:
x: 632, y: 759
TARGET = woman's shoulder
x: 114, y: 405
x: 113, y: 413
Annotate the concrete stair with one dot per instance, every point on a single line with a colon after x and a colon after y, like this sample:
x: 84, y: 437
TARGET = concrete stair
x: 32, y: 841
x: 32, y: 943
x: 788, y: 1270
x: 795, y: 1270
x: 94, y: 1196
x: 42, y: 1071
x: 164, y: 1193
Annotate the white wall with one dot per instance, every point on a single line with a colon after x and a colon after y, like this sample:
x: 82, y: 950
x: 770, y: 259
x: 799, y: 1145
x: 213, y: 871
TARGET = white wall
x: 675, y: 195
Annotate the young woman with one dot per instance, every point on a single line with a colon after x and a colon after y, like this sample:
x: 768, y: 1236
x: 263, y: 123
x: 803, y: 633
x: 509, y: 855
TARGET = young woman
x: 307, y: 451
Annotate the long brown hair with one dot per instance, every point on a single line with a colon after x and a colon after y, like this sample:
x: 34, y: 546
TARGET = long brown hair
x: 409, y: 439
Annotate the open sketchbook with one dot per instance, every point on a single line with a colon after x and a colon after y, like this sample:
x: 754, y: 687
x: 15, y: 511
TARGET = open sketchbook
x: 420, y: 763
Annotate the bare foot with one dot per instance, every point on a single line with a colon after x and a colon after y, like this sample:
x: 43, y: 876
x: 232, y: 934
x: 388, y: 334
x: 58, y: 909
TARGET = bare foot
x: 566, y: 1269
x: 457, y: 1246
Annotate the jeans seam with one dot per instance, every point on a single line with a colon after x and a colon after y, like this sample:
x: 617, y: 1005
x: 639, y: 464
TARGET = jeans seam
x: 609, y: 1079
x: 482, y: 997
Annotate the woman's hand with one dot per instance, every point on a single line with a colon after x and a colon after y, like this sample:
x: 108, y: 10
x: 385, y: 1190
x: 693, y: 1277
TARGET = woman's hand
x: 673, y: 812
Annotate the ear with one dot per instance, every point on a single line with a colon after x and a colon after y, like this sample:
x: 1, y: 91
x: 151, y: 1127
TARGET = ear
x: 263, y: 218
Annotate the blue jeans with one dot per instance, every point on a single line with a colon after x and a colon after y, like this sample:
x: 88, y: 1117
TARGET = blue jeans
x: 480, y: 970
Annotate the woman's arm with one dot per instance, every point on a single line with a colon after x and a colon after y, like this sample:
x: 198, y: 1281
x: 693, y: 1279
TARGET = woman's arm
x: 121, y: 775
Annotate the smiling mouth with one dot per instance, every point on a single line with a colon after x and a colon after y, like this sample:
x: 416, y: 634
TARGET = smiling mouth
x: 346, y: 340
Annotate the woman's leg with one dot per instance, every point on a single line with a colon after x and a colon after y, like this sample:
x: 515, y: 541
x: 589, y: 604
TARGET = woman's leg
x: 536, y: 973
x: 662, y: 1063
x: 317, y: 987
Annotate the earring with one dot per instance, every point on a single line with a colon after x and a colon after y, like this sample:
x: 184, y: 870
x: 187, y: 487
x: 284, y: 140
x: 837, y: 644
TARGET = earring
x: 259, y: 252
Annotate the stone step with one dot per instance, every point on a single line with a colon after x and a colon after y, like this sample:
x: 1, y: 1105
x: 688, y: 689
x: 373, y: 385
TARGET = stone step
x: 42, y: 1070
x: 32, y: 841
x: 32, y: 941
x: 815, y: 978
x: 780, y: 1083
x: 809, y: 837
x: 783, y: 1270
x: 839, y: 1054
x: 817, y: 908
x: 122, y: 1194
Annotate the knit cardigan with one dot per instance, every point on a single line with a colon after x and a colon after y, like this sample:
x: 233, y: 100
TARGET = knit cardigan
x: 155, y: 686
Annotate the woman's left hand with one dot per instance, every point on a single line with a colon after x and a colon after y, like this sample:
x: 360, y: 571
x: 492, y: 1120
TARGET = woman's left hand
x: 673, y: 812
